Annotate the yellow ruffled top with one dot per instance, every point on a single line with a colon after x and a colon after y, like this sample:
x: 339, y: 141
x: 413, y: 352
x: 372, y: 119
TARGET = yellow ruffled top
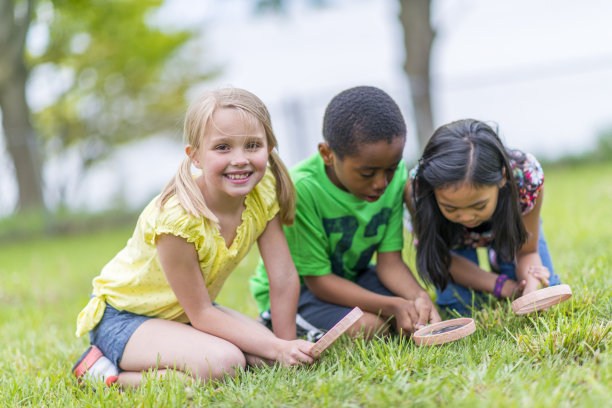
x: 134, y: 280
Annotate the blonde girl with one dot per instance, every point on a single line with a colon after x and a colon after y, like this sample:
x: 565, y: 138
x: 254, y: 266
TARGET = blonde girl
x: 153, y: 306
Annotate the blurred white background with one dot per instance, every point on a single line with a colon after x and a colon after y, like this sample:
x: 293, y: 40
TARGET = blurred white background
x: 540, y: 70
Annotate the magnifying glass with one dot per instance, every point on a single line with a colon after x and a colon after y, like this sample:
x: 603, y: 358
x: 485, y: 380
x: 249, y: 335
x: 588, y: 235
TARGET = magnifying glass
x: 444, y: 332
x: 541, y: 299
x: 332, y: 335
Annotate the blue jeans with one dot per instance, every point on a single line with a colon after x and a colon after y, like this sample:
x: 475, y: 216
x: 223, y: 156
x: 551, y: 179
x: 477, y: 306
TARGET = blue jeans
x: 462, y: 299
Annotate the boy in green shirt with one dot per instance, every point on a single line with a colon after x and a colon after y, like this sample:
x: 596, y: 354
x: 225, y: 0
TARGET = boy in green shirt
x: 350, y: 207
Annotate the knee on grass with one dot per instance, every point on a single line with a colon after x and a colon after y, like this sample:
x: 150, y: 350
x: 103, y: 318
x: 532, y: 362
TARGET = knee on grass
x: 369, y: 325
x: 225, y: 360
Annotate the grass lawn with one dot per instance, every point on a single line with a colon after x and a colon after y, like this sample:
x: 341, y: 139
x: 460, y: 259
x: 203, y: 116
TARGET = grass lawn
x: 558, y: 358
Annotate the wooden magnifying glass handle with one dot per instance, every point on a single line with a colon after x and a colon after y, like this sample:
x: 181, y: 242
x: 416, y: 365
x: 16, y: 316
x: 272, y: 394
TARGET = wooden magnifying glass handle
x: 332, y: 335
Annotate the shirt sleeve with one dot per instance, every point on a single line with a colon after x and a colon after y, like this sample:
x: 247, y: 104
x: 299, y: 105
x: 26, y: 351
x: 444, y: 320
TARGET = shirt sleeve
x: 529, y: 177
x: 173, y: 219
x: 307, y: 240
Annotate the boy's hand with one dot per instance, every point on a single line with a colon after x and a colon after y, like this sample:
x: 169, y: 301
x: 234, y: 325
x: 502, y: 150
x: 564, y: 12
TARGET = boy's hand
x: 426, y: 310
x: 404, y: 314
x: 410, y: 315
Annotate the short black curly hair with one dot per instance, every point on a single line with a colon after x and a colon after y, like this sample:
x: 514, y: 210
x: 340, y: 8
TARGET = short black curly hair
x: 361, y: 115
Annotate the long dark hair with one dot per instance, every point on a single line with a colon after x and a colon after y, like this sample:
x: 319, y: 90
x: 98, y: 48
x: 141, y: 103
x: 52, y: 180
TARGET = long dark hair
x: 465, y: 151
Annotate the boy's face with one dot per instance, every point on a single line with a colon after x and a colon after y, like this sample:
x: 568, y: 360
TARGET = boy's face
x: 367, y: 173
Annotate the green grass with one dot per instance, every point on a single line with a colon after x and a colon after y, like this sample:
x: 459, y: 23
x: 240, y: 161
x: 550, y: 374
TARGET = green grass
x: 560, y: 358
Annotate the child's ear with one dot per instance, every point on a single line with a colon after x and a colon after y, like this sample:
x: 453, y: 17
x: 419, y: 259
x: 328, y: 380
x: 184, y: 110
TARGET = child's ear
x: 326, y: 153
x: 190, y: 151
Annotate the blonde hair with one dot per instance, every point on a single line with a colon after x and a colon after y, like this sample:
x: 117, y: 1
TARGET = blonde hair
x: 198, y: 116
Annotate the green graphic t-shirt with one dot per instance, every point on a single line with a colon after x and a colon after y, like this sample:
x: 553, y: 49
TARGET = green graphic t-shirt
x: 334, y: 231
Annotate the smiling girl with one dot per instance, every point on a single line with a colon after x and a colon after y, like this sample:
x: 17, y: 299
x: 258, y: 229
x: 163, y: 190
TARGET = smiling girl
x: 469, y: 191
x: 152, y: 306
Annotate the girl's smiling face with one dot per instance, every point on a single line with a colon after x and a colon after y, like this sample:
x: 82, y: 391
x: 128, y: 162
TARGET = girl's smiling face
x: 467, y: 204
x: 233, y: 156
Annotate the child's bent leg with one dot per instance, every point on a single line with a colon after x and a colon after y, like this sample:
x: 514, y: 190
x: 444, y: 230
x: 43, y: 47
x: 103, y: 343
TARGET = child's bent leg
x: 546, y: 259
x: 508, y: 268
x: 320, y: 314
x: 94, y: 366
x: 133, y: 379
x: 456, y: 297
x: 325, y: 315
x: 107, y: 339
x: 167, y: 345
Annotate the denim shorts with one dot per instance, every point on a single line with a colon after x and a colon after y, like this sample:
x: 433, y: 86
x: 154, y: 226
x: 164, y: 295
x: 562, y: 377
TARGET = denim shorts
x: 325, y: 315
x: 114, y: 330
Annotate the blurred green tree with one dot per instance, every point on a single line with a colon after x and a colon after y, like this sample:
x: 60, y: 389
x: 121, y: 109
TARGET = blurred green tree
x: 122, y: 77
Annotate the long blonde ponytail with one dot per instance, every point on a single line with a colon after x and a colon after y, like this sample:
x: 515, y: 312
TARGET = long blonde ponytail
x: 285, y: 190
x: 187, y: 192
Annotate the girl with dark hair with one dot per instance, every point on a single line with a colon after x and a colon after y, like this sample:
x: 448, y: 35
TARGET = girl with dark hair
x: 469, y: 191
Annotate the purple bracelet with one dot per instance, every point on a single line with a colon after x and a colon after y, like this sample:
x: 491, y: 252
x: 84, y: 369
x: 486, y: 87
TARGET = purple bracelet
x: 499, y: 284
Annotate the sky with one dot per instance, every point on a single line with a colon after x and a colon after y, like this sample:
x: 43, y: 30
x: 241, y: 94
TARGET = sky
x: 541, y: 71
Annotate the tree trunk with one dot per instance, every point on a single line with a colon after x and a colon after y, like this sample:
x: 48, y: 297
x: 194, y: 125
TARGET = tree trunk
x: 21, y: 142
x: 418, y: 38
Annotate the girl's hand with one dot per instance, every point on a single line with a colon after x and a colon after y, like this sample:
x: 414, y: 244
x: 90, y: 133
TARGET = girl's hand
x: 513, y: 289
x: 541, y: 273
x: 539, y: 276
x: 294, y: 352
